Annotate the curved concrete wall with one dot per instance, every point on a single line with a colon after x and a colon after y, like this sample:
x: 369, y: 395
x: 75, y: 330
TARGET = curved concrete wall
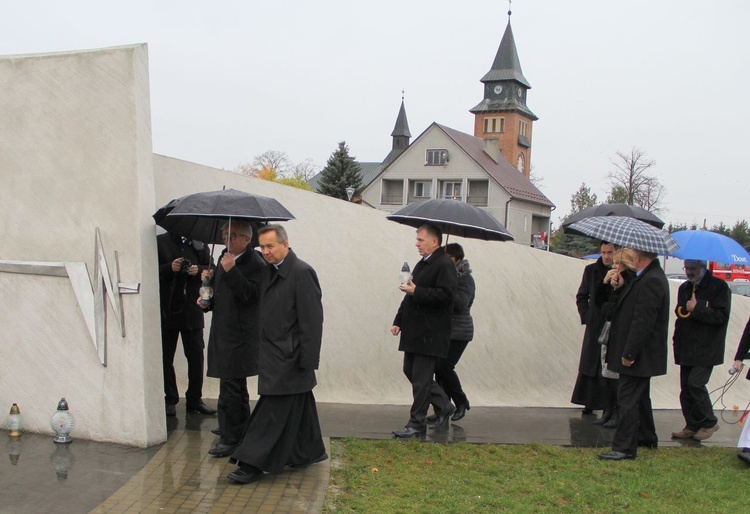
x: 528, y: 335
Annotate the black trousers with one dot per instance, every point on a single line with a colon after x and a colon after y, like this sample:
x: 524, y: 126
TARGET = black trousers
x: 420, y: 370
x: 233, y: 409
x: 636, y: 418
x: 446, y: 376
x: 694, y: 399
x: 192, y: 344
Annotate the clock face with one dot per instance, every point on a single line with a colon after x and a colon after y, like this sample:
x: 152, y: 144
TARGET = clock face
x: 520, y: 92
x: 498, y: 89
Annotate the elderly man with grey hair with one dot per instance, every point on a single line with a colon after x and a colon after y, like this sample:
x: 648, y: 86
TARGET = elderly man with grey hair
x: 234, y: 336
x: 703, y: 305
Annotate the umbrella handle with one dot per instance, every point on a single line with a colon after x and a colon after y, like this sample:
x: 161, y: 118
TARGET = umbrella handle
x: 681, y: 313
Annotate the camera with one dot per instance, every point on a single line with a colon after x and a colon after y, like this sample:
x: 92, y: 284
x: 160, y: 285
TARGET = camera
x: 186, y: 263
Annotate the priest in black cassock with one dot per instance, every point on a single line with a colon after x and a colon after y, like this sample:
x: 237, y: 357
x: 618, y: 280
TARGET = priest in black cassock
x: 284, y: 427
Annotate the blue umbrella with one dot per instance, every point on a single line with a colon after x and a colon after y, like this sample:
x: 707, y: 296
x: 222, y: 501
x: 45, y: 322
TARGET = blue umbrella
x: 703, y: 245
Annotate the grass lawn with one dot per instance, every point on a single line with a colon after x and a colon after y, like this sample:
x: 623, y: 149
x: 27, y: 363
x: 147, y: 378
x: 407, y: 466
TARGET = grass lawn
x: 412, y: 477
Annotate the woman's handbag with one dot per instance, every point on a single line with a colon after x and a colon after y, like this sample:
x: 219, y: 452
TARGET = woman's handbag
x: 604, y: 335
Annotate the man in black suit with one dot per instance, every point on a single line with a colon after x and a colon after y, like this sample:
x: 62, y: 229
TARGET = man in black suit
x: 233, y: 340
x: 592, y: 390
x: 180, y: 261
x: 700, y: 331
x: 424, y: 322
x: 284, y: 428
x: 637, y: 350
x: 743, y: 352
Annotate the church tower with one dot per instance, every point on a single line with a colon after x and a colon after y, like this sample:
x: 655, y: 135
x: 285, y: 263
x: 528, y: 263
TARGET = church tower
x: 400, y: 135
x: 503, y: 115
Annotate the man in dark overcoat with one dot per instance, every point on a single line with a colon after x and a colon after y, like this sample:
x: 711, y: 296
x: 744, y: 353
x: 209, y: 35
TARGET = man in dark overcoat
x: 637, y: 350
x: 233, y: 339
x: 180, y: 263
x: 743, y: 352
x: 591, y: 389
x: 424, y: 322
x: 700, y: 331
x: 284, y: 428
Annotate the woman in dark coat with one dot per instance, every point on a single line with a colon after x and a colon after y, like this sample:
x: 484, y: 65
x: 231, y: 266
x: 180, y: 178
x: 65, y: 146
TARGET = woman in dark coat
x: 462, y: 331
x: 612, y: 287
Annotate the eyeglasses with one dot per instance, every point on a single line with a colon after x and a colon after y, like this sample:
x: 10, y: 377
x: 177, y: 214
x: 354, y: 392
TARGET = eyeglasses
x: 690, y: 268
x: 232, y: 237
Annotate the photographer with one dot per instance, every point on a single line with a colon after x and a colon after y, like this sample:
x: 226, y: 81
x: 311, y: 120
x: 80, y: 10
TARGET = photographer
x: 180, y: 264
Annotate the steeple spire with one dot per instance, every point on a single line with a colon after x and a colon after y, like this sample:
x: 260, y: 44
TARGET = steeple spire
x: 507, y: 65
x: 401, y: 134
x: 402, y: 124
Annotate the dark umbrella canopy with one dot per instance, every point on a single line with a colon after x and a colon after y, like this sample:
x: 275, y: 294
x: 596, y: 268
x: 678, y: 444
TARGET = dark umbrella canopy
x: 200, y: 216
x: 627, y: 232
x: 454, y: 218
x: 612, y: 209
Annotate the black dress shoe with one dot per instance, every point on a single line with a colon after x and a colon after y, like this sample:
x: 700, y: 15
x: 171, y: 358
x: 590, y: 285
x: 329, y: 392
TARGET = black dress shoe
x: 245, y: 477
x: 216, y: 431
x: 319, y: 458
x: 171, y: 409
x: 460, y: 411
x: 606, y: 416
x: 409, y: 432
x: 442, y: 420
x: 431, y: 419
x: 613, y: 455
x: 612, y: 422
x: 587, y: 411
x: 222, y: 450
x: 744, y: 457
x: 201, y: 408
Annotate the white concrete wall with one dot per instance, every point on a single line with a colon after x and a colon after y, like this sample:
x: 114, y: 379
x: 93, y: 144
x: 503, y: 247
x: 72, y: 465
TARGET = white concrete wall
x: 528, y: 336
x: 75, y: 154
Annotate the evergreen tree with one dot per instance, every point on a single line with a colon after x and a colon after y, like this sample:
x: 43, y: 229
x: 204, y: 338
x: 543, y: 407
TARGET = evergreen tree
x: 568, y: 244
x: 341, y: 171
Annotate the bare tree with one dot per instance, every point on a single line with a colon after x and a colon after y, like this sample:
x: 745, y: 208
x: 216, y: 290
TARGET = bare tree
x: 535, y: 179
x: 304, y: 170
x: 274, y: 160
x: 631, y: 182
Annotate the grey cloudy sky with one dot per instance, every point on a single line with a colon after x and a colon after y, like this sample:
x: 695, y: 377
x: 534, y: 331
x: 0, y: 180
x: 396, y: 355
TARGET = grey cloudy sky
x: 232, y: 79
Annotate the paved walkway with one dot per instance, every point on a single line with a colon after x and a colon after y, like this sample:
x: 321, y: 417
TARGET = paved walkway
x: 179, y: 476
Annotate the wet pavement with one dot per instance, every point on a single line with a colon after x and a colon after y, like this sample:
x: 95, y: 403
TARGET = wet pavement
x: 179, y: 476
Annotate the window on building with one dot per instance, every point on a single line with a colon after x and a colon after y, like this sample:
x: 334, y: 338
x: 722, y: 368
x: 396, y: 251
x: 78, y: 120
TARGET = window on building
x: 422, y: 189
x: 452, y: 190
x: 523, y: 128
x: 436, y: 157
x: 494, y: 125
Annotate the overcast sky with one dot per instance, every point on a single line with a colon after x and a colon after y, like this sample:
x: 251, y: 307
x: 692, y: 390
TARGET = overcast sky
x: 232, y: 79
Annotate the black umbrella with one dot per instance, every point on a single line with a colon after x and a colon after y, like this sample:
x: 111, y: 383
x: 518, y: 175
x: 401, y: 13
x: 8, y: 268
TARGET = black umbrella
x: 612, y: 209
x: 455, y: 218
x: 199, y: 216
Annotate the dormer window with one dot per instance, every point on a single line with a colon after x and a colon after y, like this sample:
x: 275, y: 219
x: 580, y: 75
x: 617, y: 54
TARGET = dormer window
x: 436, y: 157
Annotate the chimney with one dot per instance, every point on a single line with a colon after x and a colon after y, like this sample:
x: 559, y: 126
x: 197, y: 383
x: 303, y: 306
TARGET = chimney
x: 492, y: 148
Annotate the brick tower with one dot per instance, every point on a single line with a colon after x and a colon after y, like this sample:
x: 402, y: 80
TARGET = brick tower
x: 503, y: 115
